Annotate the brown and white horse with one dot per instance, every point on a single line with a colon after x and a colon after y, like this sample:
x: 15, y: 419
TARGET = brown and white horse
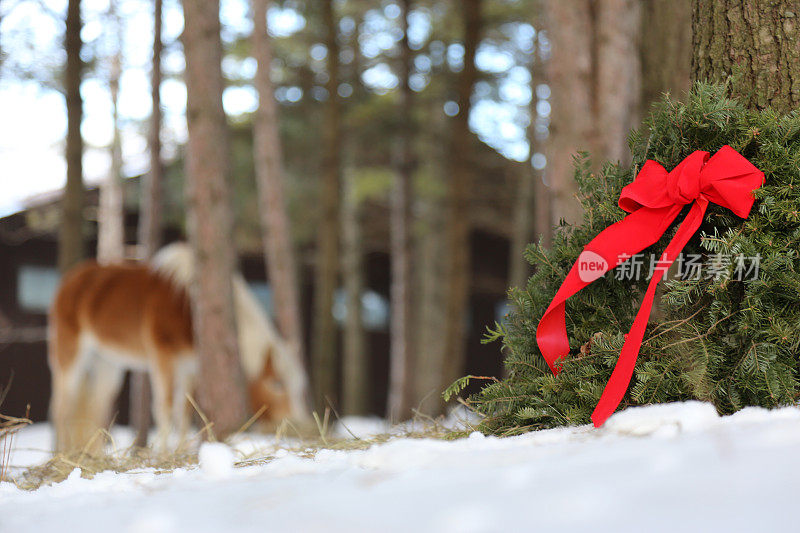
x: 107, y: 319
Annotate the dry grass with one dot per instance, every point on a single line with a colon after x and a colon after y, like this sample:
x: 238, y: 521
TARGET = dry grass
x: 9, y: 427
x: 308, y: 444
x: 303, y: 441
x: 61, y: 466
x: 131, y: 459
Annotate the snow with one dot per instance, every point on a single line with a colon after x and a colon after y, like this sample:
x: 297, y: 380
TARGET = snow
x: 361, y: 427
x: 216, y: 460
x: 658, y: 468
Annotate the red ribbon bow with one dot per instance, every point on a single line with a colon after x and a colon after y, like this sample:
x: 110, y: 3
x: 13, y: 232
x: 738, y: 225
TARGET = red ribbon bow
x: 653, y: 200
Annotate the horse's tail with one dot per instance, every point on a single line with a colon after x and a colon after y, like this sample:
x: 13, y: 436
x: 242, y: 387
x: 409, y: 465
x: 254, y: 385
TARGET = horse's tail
x: 176, y: 263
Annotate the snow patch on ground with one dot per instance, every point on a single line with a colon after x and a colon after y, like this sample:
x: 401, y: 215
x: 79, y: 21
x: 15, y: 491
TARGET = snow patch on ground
x: 216, y: 460
x: 658, y: 468
x: 360, y: 427
x: 664, y: 419
x: 33, y: 445
x: 457, y: 419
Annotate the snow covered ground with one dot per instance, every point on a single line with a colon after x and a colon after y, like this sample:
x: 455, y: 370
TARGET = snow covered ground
x: 670, y: 467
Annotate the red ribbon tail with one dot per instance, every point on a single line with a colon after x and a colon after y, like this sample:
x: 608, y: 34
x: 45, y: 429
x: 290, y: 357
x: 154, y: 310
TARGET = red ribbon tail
x: 627, y: 237
x: 620, y: 379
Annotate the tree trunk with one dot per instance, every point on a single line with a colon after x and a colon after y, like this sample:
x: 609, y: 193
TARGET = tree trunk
x: 141, y: 400
x: 666, y: 48
x: 152, y: 183
x: 569, y: 71
x: 429, y: 315
x: 325, y: 334
x: 532, y: 209
x: 458, y: 264
x: 519, y: 268
x: 111, y: 216
x: 355, y: 382
x: 70, y: 241
x: 221, y: 387
x: 754, y: 42
x: 401, y: 373
x: 356, y: 390
x: 618, y: 76
x: 276, y: 230
x: 542, y: 194
x: 594, y: 77
x: 150, y: 222
x: 543, y: 208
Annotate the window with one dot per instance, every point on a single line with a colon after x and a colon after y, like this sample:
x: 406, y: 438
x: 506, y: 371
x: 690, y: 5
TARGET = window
x: 263, y: 293
x: 374, y: 309
x: 501, y: 311
x: 36, y: 286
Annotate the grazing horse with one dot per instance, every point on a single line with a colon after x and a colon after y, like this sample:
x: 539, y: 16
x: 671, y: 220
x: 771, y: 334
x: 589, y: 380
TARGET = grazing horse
x: 106, y: 319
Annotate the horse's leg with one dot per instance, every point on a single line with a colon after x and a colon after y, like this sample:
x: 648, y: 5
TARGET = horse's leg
x: 102, y: 390
x: 162, y: 382
x: 68, y: 360
x: 185, y: 377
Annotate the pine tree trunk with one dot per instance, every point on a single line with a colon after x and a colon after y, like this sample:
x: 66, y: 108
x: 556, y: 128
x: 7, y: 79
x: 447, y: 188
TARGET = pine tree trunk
x: 594, y: 77
x: 458, y: 264
x: 519, y: 269
x: 70, y: 241
x: 140, y: 407
x: 152, y: 182
x: 111, y: 216
x: 618, y: 76
x: 401, y: 373
x: 150, y: 222
x: 356, y: 391
x: 430, y: 316
x: 543, y: 208
x: 221, y: 387
x: 355, y: 382
x: 532, y: 208
x: 756, y: 43
x: 666, y: 48
x: 429, y: 271
x: 325, y: 334
x: 278, y: 250
x: 542, y: 194
x: 569, y: 72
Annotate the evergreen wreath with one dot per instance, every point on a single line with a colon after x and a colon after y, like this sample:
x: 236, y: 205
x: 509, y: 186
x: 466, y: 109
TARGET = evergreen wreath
x: 732, y: 342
